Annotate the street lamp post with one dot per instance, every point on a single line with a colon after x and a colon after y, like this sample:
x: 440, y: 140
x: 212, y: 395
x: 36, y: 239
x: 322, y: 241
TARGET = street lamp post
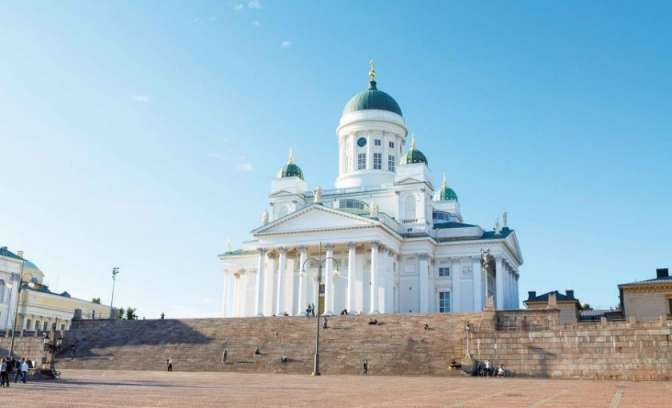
x: 319, y: 260
x: 115, y: 272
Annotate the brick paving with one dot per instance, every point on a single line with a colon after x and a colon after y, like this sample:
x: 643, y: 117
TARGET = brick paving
x: 97, y: 388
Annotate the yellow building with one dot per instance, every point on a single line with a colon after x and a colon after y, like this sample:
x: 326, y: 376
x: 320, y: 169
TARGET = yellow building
x: 649, y: 299
x: 38, y: 307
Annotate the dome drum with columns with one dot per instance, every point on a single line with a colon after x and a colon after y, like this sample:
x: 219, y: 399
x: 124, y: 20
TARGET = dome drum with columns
x: 392, y: 242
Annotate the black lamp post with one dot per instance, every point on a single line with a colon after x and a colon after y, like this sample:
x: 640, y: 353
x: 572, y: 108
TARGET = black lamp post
x: 320, y: 261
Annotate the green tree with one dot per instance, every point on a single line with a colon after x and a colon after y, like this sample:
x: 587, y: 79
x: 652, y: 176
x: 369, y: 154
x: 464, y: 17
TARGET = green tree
x: 96, y: 300
x: 130, y: 313
x: 121, y: 313
x: 586, y: 306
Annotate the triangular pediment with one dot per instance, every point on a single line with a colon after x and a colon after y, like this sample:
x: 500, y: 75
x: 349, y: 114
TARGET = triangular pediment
x: 315, y: 218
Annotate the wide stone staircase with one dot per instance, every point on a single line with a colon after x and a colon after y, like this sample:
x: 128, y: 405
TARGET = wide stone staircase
x: 396, y: 345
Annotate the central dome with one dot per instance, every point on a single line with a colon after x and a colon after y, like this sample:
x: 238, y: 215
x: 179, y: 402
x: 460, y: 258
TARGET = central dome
x: 372, y: 98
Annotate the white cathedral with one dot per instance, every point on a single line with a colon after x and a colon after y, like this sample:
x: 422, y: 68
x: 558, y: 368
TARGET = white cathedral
x: 384, y: 240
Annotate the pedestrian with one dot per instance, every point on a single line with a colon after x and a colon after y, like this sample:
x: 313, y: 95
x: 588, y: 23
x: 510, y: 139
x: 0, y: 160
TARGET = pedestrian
x: 24, y: 370
x: 365, y: 367
x: 169, y: 363
x: 17, y: 366
x: 308, y: 311
x: 312, y: 309
x: 4, y: 377
x: 163, y: 316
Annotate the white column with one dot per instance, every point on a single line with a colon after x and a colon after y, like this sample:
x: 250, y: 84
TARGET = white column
x: 268, y: 295
x: 259, y: 284
x: 236, y: 294
x: 329, y: 281
x: 424, y: 283
x: 476, y: 269
x: 352, y: 259
x: 373, y: 306
x: 456, y: 293
x: 282, y: 269
x: 301, y: 302
x: 499, y: 286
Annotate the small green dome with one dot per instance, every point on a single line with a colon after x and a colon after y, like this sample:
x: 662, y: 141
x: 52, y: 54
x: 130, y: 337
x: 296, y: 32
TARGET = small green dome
x: 445, y: 193
x: 413, y: 155
x: 291, y: 169
x: 372, y: 98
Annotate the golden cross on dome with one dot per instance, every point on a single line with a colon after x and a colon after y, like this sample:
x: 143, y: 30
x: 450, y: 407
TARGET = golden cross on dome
x: 372, y: 70
x: 413, y: 141
x: 290, y: 158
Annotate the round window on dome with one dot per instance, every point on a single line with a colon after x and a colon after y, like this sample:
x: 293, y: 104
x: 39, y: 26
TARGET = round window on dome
x: 361, y: 142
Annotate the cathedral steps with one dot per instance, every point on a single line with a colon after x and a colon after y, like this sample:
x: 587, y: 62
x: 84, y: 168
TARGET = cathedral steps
x: 528, y: 343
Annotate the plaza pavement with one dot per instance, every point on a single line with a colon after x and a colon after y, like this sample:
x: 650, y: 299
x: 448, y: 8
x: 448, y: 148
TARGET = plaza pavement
x: 89, y: 388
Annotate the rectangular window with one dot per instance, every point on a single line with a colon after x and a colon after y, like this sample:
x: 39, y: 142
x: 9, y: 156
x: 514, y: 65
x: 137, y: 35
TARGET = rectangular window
x: 444, y: 302
x: 391, y: 145
x: 361, y: 161
x: 444, y: 271
x: 670, y: 302
x: 377, y: 161
x: 391, y: 162
x: 377, y: 142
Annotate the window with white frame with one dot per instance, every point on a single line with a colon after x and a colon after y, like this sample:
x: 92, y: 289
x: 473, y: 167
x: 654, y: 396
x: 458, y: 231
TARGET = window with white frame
x: 444, y: 271
x: 391, y: 145
x: 361, y: 161
x: 444, y: 302
x: 377, y: 161
x: 391, y: 162
x: 376, y: 142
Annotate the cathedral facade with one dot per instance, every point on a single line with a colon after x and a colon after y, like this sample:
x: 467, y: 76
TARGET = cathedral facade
x: 384, y: 240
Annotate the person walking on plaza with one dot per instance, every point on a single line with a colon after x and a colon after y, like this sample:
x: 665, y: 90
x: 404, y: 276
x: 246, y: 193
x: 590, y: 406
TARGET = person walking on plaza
x: 4, y: 376
x: 169, y: 362
x: 365, y: 367
x: 23, y: 368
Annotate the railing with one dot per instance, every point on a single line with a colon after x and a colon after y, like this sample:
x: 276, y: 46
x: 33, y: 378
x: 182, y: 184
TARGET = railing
x: 410, y: 221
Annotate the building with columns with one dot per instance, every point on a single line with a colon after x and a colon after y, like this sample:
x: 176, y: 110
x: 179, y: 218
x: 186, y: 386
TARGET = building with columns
x: 38, y: 307
x: 384, y: 240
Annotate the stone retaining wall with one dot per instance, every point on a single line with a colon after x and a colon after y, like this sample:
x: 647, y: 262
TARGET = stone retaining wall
x: 530, y: 343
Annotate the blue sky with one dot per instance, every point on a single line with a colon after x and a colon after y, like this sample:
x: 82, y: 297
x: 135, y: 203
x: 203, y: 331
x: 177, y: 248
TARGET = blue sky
x: 144, y: 134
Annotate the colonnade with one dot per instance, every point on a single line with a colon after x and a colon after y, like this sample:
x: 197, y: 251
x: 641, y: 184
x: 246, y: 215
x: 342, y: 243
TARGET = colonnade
x: 356, y: 277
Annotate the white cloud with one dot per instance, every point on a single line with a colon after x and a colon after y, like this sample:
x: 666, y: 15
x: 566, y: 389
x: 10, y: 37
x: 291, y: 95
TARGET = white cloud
x: 256, y: 23
x: 142, y: 98
x: 238, y: 6
x: 196, y: 20
x: 254, y: 4
x: 286, y: 44
x: 245, y: 167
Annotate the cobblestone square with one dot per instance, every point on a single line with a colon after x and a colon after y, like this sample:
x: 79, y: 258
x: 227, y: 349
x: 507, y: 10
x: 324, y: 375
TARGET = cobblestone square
x: 94, y: 388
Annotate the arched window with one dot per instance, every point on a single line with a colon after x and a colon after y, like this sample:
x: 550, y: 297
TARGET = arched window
x: 409, y: 209
x: 3, y: 289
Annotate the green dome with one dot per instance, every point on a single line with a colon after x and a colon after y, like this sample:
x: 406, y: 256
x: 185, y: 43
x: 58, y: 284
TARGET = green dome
x: 290, y: 169
x: 445, y: 193
x: 372, y: 98
x: 413, y: 155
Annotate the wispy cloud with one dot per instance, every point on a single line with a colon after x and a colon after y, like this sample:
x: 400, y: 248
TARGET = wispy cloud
x: 256, y: 23
x: 245, y: 167
x: 238, y: 6
x: 286, y: 44
x: 254, y: 4
x: 142, y: 98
